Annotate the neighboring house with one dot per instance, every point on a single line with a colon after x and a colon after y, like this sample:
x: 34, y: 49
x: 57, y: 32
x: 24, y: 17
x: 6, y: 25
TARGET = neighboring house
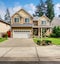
x: 4, y: 27
x: 55, y: 22
x: 25, y: 26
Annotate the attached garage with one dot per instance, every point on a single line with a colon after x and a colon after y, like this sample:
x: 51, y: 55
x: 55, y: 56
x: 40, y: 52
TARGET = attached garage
x: 21, y: 30
x: 21, y: 34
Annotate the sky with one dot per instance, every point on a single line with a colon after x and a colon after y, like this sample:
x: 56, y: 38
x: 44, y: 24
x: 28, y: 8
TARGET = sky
x: 28, y: 5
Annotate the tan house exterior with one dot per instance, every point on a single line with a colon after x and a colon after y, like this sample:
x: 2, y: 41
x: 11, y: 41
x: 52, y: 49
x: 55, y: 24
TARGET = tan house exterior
x: 4, y: 27
x: 25, y: 26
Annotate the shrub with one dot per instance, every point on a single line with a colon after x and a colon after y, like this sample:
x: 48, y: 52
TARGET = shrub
x: 38, y: 42
x: 56, y: 32
x: 9, y: 33
x: 48, y: 42
x: 43, y: 43
x: 5, y: 35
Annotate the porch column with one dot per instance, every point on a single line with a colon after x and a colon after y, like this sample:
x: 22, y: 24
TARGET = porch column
x: 41, y: 33
x: 50, y: 30
x: 31, y: 33
x: 38, y: 32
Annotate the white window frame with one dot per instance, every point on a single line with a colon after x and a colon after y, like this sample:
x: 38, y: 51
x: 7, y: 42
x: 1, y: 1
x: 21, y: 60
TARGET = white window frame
x: 16, y: 18
x: 44, y: 23
x: 27, y: 18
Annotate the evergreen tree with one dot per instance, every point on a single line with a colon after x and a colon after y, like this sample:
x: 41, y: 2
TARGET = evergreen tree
x: 50, y: 9
x: 56, y: 32
x: 7, y: 16
x: 39, y: 9
x: 0, y: 17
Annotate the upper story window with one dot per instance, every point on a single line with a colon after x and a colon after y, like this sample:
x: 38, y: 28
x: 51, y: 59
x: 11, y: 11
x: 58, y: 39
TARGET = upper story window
x: 43, y: 22
x: 27, y: 20
x: 16, y: 19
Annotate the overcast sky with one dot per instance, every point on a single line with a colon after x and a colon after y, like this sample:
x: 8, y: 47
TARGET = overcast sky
x: 29, y: 5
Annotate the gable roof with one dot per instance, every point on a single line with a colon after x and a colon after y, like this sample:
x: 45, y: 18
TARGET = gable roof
x: 24, y: 11
x: 45, y: 17
x: 55, y: 21
x: 35, y: 18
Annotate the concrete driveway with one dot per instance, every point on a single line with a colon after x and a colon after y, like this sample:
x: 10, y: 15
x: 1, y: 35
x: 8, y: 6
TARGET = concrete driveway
x: 16, y: 42
x: 25, y: 51
x: 30, y: 55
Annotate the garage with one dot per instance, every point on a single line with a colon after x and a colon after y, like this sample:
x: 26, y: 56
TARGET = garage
x: 21, y: 34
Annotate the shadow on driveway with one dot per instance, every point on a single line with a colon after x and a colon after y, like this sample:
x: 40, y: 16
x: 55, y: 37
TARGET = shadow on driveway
x: 29, y: 62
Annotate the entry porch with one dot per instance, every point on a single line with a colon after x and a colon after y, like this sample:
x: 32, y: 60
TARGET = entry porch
x: 42, y: 31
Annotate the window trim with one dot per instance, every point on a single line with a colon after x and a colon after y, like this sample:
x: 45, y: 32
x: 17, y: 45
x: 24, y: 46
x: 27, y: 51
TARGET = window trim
x: 15, y: 19
x: 27, y: 18
x: 43, y: 23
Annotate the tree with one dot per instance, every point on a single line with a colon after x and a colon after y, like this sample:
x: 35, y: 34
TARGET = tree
x: 56, y: 32
x: 39, y: 9
x: 7, y: 16
x: 0, y: 17
x: 50, y: 9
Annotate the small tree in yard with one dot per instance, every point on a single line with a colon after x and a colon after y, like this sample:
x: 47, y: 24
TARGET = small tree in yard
x: 56, y: 32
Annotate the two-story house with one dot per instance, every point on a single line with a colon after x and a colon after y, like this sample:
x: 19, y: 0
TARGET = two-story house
x: 25, y: 26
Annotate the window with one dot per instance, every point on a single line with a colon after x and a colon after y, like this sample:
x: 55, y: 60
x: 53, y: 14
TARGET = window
x: 27, y: 20
x: 16, y: 19
x: 43, y: 22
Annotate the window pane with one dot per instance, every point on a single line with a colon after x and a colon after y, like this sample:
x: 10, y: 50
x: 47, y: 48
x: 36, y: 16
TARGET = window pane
x: 43, y: 22
x: 26, y: 20
x: 16, y: 19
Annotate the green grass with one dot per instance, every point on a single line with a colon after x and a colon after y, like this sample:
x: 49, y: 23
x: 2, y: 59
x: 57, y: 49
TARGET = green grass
x: 2, y: 39
x: 55, y: 41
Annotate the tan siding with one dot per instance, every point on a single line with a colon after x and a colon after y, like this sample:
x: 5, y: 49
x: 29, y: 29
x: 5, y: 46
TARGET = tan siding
x: 4, y: 27
x: 23, y: 15
x: 44, y: 19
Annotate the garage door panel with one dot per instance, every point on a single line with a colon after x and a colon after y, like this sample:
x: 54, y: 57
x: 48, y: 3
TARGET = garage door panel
x: 21, y: 34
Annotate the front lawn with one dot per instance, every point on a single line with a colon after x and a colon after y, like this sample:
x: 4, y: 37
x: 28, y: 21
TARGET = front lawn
x: 2, y: 39
x: 55, y: 41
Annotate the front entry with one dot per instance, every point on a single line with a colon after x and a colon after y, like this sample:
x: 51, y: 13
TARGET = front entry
x: 35, y: 31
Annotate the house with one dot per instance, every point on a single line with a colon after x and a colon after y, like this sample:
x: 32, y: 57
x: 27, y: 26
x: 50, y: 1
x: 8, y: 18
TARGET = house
x: 25, y: 26
x: 4, y: 27
x: 55, y: 22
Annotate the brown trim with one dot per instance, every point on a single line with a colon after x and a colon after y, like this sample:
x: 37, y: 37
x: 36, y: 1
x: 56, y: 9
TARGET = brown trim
x: 4, y: 22
x: 21, y: 27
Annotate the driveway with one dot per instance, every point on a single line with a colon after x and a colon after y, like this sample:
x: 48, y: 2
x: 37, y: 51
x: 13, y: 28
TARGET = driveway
x: 25, y: 51
x: 30, y: 55
x: 16, y: 42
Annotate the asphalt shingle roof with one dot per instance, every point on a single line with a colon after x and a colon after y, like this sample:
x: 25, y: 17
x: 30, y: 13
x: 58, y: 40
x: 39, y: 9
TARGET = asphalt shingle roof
x: 21, y: 25
x: 55, y: 22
